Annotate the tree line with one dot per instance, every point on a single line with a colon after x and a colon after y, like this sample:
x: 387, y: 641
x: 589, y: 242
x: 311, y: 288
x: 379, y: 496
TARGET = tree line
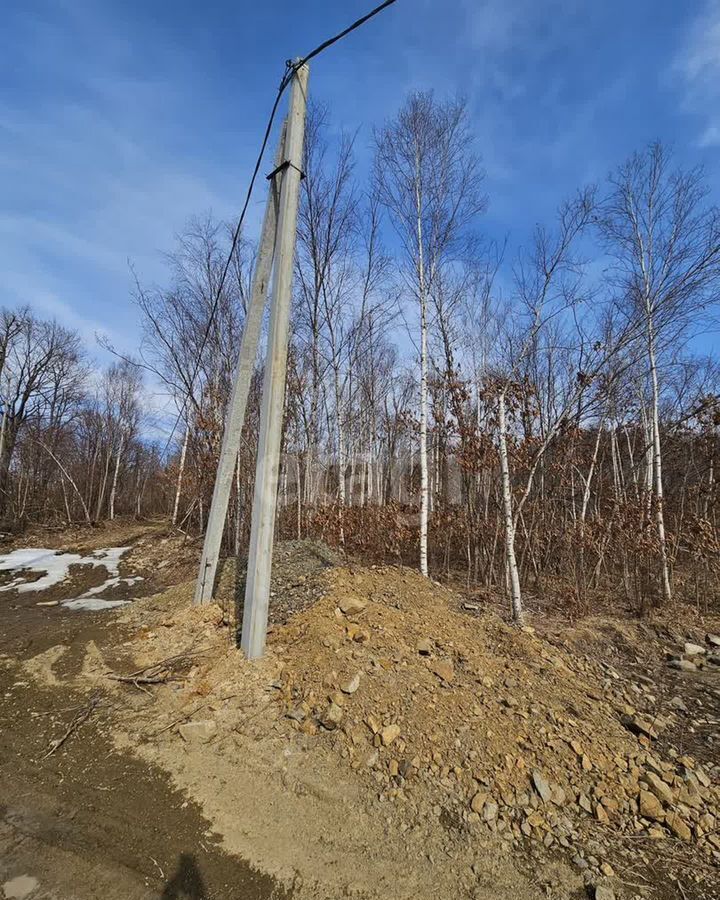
x: 539, y: 422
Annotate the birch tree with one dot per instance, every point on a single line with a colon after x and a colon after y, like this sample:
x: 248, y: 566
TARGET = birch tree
x: 665, y: 240
x: 548, y: 285
x: 428, y: 178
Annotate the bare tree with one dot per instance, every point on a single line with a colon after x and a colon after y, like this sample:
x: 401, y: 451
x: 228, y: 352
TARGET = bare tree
x: 190, y: 335
x: 428, y: 178
x: 665, y: 239
x: 41, y: 362
x: 548, y: 286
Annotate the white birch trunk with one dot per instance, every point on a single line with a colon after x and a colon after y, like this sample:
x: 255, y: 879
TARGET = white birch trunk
x: 363, y: 476
x: 615, y: 457
x: 591, y: 472
x: 657, y: 467
x: 103, y: 487
x: 342, y: 463
x: 631, y: 459
x: 65, y: 499
x: 181, y: 470
x: 353, y: 470
x: 2, y: 431
x: 298, y: 496
x: 649, y: 463
x: 284, y: 491
x: 113, y: 489
x: 510, y: 560
x: 424, y: 493
x: 424, y: 498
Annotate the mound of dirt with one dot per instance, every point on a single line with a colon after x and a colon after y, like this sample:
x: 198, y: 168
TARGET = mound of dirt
x: 502, y: 731
x: 295, y: 584
x: 459, y: 733
x: 168, y: 556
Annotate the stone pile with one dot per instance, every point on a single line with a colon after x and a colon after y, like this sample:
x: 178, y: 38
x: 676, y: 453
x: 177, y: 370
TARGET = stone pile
x: 696, y: 656
x: 495, y: 729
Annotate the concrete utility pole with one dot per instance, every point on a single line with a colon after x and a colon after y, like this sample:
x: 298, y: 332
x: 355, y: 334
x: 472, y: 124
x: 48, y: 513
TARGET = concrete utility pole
x: 241, y: 389
x: 257, y: 589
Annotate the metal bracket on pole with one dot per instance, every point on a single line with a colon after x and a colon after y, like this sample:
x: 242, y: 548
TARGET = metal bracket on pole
x: 257, y: 587
x: 282, y: 167
x: 241, y: 389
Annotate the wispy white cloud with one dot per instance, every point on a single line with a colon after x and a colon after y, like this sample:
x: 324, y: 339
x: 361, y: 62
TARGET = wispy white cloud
x: 24, y: 290
x: 700, y: 57
x: 697, y: 66
x: 80, y: 202
x: 533, y: 127
x: 91, y: 176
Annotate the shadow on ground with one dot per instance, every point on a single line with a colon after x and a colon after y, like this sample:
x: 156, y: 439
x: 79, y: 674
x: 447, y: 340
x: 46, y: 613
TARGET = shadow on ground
x: 187, y: 881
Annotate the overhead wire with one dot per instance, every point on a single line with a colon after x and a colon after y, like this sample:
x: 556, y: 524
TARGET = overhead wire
x: 333, y: 40
x: 233, y: 245
x: 291, y: 67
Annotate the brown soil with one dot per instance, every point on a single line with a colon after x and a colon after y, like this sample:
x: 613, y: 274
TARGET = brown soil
x: 466, y: 759
x: 485, y: 707
x: 305, y: 816
x: 92, y: 821
x: 84, y: 538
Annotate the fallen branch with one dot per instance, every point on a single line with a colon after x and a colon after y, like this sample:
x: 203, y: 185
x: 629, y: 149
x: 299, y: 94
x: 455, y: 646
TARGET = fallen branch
x: 160, y: 868
x: 147, y: 679
x: 159, y: 672
x: 77, y: 721
x: 55, y: 712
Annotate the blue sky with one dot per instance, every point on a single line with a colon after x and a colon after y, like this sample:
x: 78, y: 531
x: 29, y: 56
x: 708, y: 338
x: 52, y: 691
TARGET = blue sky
x: 119, y: 121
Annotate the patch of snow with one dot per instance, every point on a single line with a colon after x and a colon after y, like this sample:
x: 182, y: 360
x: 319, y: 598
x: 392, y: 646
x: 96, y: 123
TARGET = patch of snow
x: 54, y: 565
x: 89, y: 600
x: 19, y: 888
x: 110, y: 583
x: 56, y: 568
x: 93, y: 604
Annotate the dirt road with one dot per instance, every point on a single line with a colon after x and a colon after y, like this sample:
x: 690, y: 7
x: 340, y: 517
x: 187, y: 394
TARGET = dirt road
x: 94, y: 822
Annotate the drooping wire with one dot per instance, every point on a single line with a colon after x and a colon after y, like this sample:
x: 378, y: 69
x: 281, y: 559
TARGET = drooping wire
x: 333, y: 40
x: 233, y: 244
x: 290, y: 67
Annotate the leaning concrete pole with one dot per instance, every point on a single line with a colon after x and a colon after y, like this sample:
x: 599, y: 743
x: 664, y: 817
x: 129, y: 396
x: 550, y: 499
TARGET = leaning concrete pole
x: 241, y: 389
x: 257, y: 588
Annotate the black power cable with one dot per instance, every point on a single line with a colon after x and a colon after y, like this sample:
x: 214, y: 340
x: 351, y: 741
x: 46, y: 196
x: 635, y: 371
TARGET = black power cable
x: 333, y: 40
x: 233, y: 245
x: 290, y: 68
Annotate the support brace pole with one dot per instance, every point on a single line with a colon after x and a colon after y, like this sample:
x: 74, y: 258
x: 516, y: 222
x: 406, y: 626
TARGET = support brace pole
x: 257, y: 588
x: 241, y: 389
